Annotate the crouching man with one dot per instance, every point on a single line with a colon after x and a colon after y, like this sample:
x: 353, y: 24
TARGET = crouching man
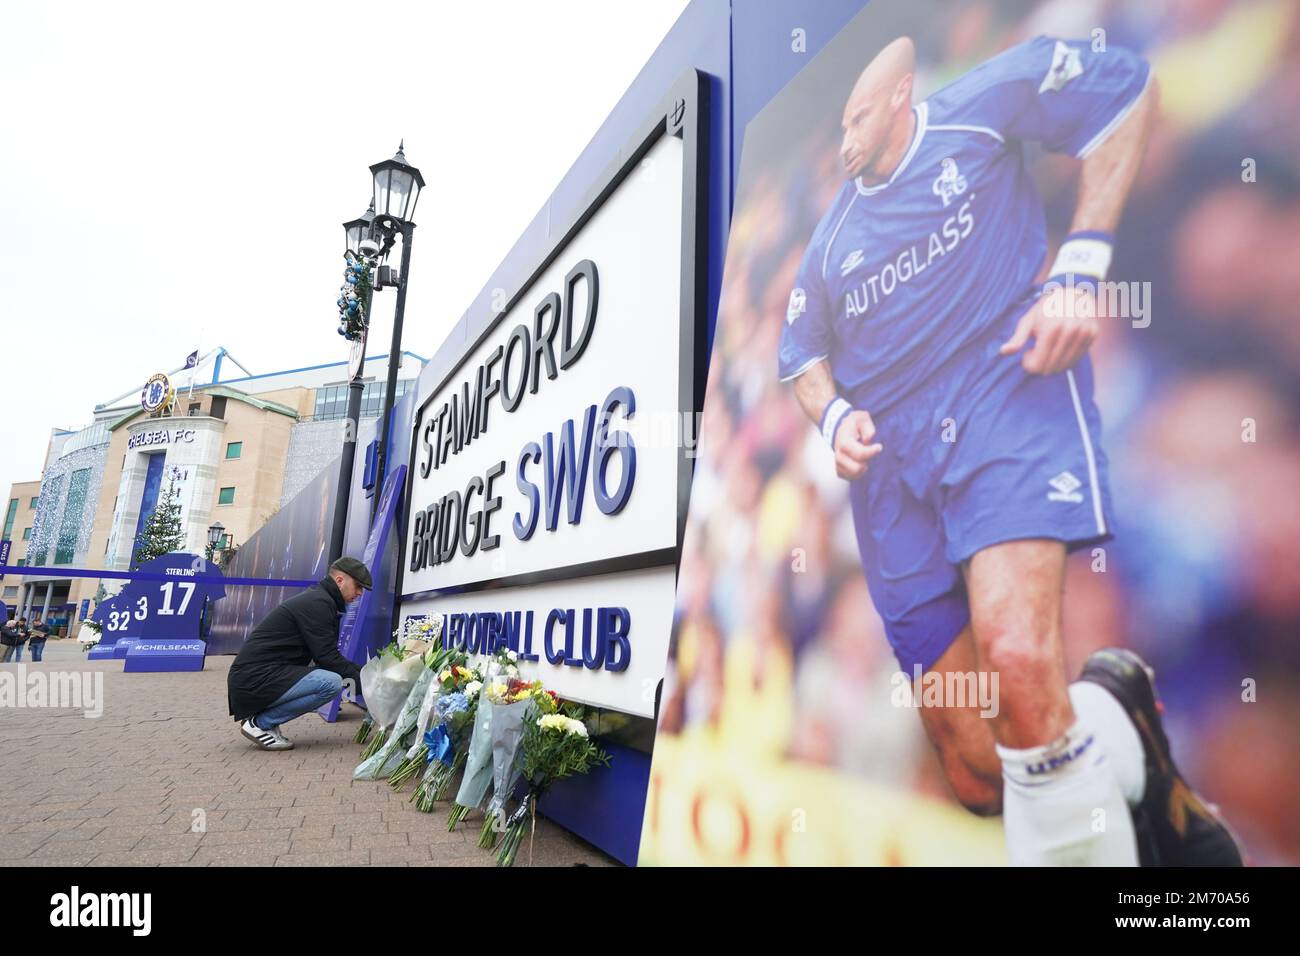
x: 290, y: 664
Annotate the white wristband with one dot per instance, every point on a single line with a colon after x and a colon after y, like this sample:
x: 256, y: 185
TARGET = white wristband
x: 1083, y: 254
x: 832, y: 417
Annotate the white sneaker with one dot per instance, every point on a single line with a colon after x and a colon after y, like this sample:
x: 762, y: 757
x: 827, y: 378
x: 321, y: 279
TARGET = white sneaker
x: 266, y: 739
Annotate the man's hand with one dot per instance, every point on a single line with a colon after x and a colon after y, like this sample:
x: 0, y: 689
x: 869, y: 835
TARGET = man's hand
x: 853, y: 445
x: 1063, y: 324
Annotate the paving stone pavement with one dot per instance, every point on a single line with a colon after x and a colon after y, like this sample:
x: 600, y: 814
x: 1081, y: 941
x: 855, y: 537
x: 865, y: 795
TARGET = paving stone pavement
x: 123, y: 789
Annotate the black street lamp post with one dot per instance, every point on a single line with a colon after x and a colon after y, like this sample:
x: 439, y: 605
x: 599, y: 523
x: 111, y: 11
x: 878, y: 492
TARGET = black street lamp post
x: 397, y: 186
x: 394, y: 362
x: 396, y: 190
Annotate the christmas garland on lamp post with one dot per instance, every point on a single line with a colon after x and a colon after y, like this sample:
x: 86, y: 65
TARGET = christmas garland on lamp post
x: 354, y: 295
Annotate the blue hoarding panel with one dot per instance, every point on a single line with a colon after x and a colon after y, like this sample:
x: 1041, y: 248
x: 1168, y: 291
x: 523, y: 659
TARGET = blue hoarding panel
x: 605, y: 806
x: 291, y: 545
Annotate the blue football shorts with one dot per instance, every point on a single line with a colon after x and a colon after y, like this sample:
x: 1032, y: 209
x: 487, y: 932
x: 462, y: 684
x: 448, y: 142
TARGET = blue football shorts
x: 983, y: 453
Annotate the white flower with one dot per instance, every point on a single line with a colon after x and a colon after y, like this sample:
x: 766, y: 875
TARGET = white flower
x: 564, y: 724
x: 473, y: 687
x: 512, y: 671
x: 513, y: 655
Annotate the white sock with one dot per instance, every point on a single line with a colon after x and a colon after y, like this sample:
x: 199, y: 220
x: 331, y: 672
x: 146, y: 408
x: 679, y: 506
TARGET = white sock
x: 1061, y: 805
x: 1097, y: 708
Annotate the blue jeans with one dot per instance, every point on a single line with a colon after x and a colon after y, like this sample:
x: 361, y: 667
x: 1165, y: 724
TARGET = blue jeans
x: 312, y: 692
x: 18, y: 653
x: 38, y: 648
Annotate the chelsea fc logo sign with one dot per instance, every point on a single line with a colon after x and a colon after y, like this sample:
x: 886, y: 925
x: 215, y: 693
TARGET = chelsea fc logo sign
x: 157, y: 393
x: 950, y: 183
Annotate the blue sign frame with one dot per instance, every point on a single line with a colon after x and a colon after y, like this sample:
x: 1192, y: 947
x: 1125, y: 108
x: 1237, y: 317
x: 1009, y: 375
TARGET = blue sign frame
x: 352, y: 630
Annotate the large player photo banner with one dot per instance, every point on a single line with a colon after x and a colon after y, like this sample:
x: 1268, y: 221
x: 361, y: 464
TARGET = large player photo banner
x: 906, y: 431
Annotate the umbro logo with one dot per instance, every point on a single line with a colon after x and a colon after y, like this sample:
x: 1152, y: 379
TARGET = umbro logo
x: 1066, y: 488
x: 851, y: 262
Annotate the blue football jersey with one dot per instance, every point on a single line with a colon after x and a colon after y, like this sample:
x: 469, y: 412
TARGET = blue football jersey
x: 902, y: 274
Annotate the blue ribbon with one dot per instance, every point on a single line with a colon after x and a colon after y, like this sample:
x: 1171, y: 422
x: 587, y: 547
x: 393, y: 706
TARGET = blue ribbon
x: 438, y: 742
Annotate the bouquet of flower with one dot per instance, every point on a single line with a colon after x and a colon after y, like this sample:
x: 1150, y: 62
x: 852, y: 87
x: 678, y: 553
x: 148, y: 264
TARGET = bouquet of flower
x: 554, y: 746
x: 446, y: 746
x: 436, y: 659
x: 478, y: 763
x: 386, y: 758
x: 479, y: 758
x: 387, y: 678
x: 386, y: 682
x: 513, y: 702
x: 453, y: 677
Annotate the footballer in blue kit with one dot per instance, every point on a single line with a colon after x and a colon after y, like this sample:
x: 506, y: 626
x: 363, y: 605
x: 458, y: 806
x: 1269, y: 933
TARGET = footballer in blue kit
x: 955, y: 390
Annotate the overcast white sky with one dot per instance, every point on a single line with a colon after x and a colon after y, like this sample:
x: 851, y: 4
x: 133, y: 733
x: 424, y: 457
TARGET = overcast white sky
x: 173, y: 175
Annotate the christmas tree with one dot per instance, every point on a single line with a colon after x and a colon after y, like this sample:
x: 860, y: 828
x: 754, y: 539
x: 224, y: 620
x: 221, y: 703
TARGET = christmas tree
x: 162, y: 532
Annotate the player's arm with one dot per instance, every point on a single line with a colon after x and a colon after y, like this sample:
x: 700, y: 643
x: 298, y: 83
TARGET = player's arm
x: 849, y: 431
x: 1109, y: 170
x: 1111, y: 159
x: 807, y: 341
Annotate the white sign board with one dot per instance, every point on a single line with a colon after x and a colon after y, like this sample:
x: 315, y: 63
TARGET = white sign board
x: 550, y: 514
x: 557, y: 443
x: 601, y: 640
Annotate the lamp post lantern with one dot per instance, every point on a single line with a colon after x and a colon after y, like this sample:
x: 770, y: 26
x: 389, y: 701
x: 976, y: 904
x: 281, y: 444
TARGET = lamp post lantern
x: 215, y: 534
x: 397, y: 188
x: 356, y: 230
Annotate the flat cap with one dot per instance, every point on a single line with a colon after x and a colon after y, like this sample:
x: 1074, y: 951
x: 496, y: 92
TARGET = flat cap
x: 355, y: 569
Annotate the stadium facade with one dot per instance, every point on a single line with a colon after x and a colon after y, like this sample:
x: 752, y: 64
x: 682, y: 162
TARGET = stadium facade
x: 233, y: 449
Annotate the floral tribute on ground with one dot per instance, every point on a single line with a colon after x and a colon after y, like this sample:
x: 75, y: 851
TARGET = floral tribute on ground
x: 431, y: 712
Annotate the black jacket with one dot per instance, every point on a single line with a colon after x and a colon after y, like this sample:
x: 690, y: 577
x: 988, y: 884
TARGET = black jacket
x: 10, y: 635
x: 280, y: 651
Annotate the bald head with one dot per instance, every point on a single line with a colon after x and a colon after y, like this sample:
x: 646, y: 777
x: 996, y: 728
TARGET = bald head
x: 882, y: 74
x: 877, y: 113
